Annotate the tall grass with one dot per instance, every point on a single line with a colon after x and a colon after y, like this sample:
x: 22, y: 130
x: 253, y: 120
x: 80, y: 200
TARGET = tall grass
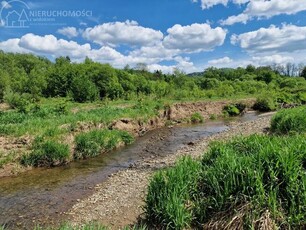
x: 95, y: 142
x: 237, y: 185
x: 170, y: 194
x: 289, y: 121
x: 46, y: 153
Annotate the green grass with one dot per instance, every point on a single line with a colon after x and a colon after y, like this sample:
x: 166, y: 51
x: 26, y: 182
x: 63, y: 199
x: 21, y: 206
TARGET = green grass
x: 168, y: 195
x: 246, y: 180
x: 95, y: 142
x: 51, y: 116
x: 289, y: 121
x: 46, y: 153
x: 196, y: 118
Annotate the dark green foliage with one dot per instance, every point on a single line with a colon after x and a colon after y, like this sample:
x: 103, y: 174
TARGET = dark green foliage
x: 83, y: 89
x: 37, y: 77
x: 197, y: 118
x: 265, y: 103
x: 96, y: 142
x: 289, y: 121
x: 243, y: 179
x: 231, y: 110
x: 46, y: 153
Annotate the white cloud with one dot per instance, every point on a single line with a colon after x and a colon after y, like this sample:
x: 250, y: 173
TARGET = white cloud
x: 5, y: 5
x: 288, y: 38
x: 194, y: 38
x: 12, y: 45
x: 69, y: 32
x: 50, y: 45
x: 206, y: 4
x: 220, y: 61
x: 273, y: 59
x: 240, y: 2
x: 266, y: 9
x: 118, y: 33
x: 243, y: 18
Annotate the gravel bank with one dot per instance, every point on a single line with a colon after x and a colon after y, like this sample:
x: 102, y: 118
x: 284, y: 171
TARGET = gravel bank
x: 118, y: 202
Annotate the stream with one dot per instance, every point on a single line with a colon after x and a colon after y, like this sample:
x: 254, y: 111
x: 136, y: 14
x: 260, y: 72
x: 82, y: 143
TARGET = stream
x: 41, y: 196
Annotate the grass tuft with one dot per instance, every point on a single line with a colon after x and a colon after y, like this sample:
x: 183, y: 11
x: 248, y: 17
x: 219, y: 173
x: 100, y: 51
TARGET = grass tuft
x: 95, y: 142
x: 46, y: 153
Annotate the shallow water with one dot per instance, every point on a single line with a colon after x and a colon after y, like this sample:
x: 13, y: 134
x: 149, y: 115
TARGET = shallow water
x: 40, y: 196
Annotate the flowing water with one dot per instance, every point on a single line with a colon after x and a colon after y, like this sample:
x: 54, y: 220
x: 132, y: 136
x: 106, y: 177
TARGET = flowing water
x: 41, y: 196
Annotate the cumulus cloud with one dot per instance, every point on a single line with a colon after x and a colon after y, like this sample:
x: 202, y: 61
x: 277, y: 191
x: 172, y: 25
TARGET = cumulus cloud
x: 194, y: 38
x: 12, y: 45
x: 206, y: 4
x: 266, y: 9
x: 288, y: 38
x: 220, y: 61
x: 118, y: 33
x: 273, y: 59
x: 69, y: 32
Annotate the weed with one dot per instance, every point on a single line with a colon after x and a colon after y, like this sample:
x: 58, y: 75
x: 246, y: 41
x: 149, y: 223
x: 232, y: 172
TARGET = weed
x: 197, y: 118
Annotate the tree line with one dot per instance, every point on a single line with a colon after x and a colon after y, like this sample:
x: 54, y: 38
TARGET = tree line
x: 26, y: 77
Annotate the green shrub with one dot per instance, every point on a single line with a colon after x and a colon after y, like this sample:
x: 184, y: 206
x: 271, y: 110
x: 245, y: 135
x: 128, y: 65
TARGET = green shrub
x: 240, y: 183
x: 17, y: 100
x: 196, y: 118
x: 231, y: 110
x: 265, y: 104
x: 96, y: 142
x: 46, y: 153
x: 289, y: 121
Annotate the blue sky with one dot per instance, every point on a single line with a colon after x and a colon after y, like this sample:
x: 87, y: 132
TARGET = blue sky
x: 187, y: 34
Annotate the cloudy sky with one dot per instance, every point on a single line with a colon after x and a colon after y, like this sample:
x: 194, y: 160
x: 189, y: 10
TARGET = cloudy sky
x: 189, y: 34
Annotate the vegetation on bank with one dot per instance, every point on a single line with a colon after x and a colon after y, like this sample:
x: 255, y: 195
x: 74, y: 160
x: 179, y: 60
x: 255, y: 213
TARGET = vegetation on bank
x: 248, y: 183
x: 291, y: 121
x: 50, y: 101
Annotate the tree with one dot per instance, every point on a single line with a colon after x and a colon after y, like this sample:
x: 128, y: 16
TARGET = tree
x: 303, y: 74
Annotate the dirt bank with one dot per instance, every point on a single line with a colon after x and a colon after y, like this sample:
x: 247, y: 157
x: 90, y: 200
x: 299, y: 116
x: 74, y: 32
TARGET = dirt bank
x: 177, y: 113
x: 119, y: 201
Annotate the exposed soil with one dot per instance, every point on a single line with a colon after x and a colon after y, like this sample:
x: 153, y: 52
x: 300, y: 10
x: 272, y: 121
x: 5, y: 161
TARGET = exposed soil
x: 119, y: 201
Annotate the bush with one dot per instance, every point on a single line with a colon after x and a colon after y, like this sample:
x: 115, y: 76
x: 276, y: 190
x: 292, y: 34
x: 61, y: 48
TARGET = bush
x: 243, y: 183
x: 96, y: 142
x: 289, y: 121
x: 17, y: 101
x: 197, y: 118
x: 231, y: 110
x: 46, y: 153
x: 265, y: 104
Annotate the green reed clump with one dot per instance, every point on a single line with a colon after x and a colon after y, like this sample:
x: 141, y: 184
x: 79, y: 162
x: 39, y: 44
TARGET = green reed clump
x: 46, y: 153
x: 246, y: 182
x: 168, y: 202
x: 289, y: 121
x: 196, y: 118
x: 95, y: 142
